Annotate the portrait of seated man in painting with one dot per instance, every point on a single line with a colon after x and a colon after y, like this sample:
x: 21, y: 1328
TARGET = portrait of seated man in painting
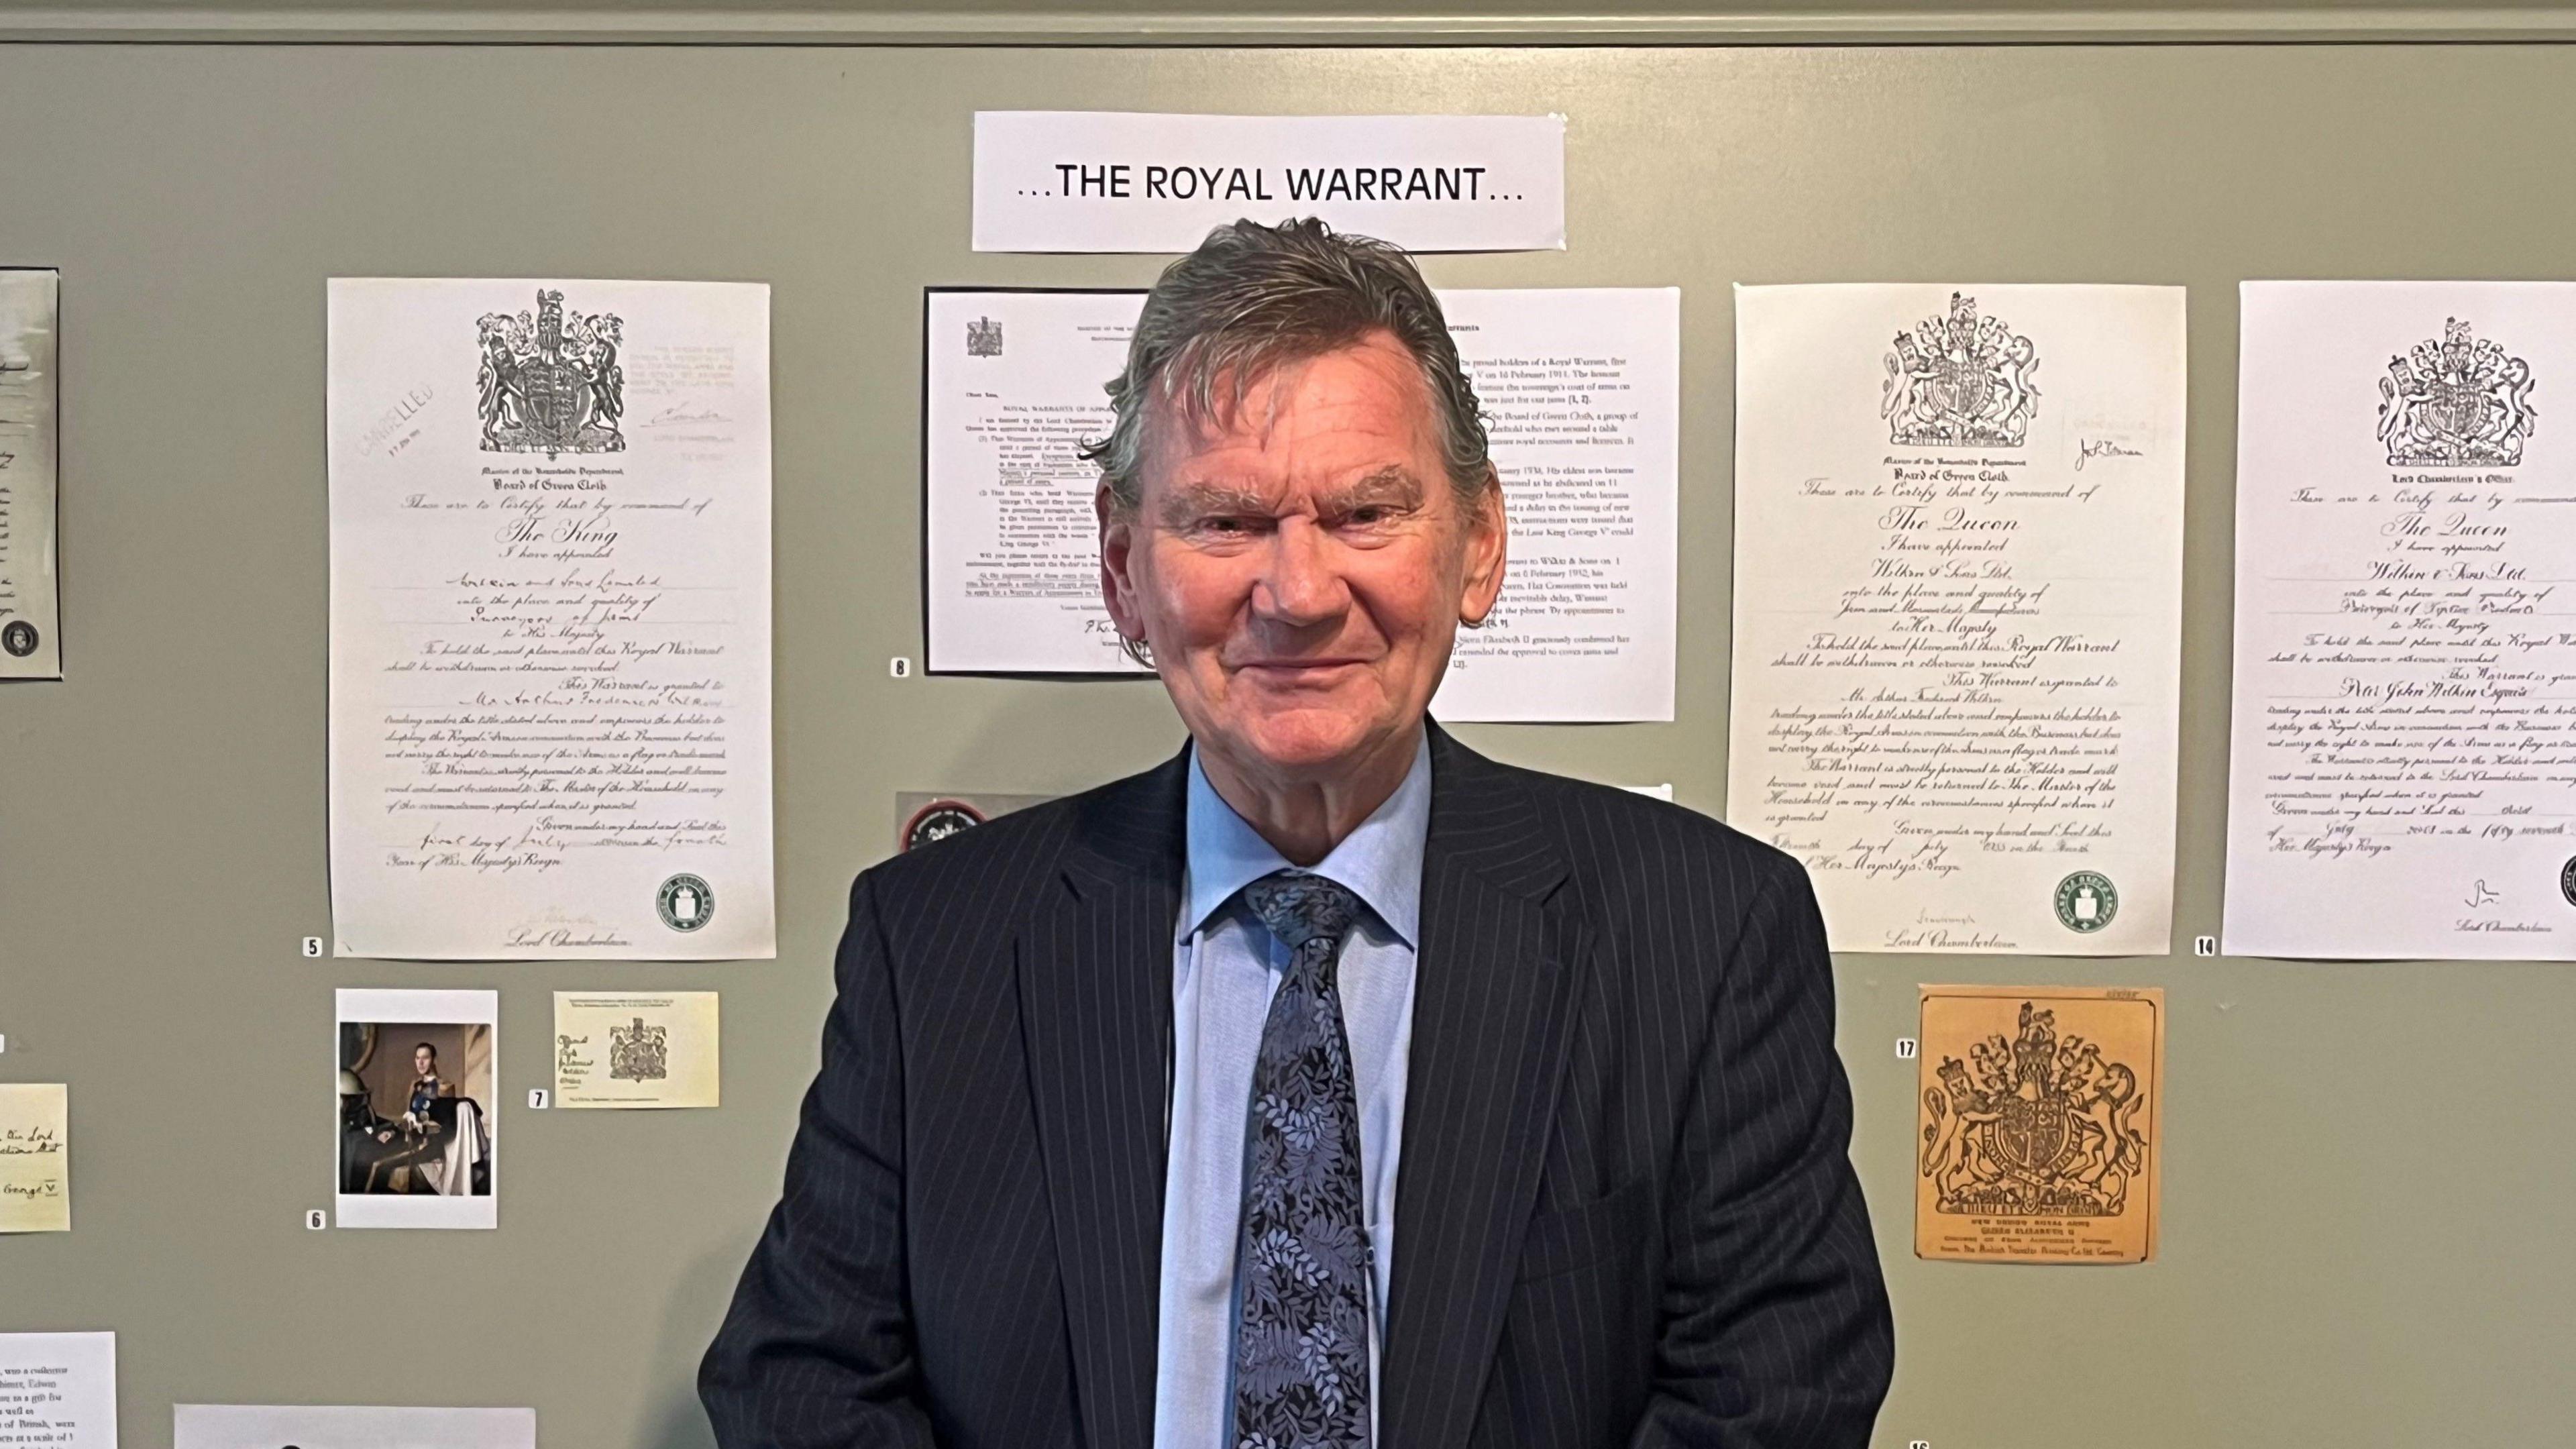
x: 406, y: 1125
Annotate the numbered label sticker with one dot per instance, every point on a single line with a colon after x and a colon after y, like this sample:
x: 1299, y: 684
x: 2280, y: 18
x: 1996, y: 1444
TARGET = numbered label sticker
x: 1918, y: 1444
x: 2204, y: 945
x: 899, y: 667
x: 1906, y: 1046
x: 536, y: 1099
x: 316, y: 1221
x: 312, y: 945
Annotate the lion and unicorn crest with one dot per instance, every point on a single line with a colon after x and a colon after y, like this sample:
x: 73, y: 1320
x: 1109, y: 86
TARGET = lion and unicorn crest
x: 1960, y: 378
x: 550, y: 381
x: 2035, y: 1126
x: 2460, y: 401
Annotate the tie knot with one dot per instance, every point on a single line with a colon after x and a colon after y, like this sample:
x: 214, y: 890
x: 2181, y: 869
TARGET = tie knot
x: 1298, y: 907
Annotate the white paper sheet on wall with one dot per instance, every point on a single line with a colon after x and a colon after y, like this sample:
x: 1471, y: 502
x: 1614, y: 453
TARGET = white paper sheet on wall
x: 1121, y: 181
x: 30, y: 393
x: 2403, y: 776
x: 1582, y: 394
x: 1958, y: 609
x: 550, y: 620
x: 266, y: 1426
x: 58, y: 1390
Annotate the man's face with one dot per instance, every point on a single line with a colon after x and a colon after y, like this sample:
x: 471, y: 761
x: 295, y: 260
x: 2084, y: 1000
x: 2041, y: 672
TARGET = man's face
x: 424, y: 1061
x: 1301, y: 566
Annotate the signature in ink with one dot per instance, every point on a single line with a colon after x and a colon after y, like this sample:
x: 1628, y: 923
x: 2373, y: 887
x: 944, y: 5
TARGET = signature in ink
x: 2101, y: 448
x: 683, y: 413
x: 2480, y: 895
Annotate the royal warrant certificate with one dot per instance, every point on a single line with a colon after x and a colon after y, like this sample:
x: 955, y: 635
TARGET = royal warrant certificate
x: 550, y: 619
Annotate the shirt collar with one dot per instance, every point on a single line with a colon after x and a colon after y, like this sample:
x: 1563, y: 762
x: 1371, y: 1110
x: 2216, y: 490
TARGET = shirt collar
x: 1380, y: 861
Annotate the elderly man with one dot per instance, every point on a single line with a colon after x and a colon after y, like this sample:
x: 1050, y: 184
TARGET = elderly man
x: 1329, y: 1084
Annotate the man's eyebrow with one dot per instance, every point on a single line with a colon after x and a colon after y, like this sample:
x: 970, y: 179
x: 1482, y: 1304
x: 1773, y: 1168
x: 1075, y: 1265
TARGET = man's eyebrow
x: 1393, y: 484
x: 1198, y: 500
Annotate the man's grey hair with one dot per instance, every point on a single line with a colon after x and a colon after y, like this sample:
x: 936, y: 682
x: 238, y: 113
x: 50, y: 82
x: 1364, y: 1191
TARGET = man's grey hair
x: 1253, y: 297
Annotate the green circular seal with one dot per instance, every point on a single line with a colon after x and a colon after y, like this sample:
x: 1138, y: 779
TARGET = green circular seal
x: 2086, y: 901
x: 686, y: 902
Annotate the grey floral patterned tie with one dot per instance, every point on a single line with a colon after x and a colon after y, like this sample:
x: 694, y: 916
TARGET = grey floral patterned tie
x: 1301, y: 1373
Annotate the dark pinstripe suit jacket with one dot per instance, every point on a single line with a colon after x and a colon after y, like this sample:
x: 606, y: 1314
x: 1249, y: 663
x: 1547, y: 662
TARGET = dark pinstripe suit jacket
x: 1625, y: 1211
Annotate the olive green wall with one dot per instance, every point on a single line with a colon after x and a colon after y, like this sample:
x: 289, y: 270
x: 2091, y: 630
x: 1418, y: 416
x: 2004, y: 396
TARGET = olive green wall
x: 2368, y: 1170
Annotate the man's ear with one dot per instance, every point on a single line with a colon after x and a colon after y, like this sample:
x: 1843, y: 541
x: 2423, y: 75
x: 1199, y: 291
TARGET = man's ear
x: 1117, y: 559
x: 1488, y: 542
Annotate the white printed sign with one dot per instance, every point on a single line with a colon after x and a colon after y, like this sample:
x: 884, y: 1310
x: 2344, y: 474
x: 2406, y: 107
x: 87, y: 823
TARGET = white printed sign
x: 1110, y: 181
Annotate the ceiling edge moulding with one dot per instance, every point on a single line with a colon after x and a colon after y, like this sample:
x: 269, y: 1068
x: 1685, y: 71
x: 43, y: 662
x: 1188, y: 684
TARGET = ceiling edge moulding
x: 206, y: 23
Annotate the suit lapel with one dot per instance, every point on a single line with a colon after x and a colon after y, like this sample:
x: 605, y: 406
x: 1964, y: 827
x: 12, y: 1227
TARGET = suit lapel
x: 1095, y: 976
x: 1493, y: 979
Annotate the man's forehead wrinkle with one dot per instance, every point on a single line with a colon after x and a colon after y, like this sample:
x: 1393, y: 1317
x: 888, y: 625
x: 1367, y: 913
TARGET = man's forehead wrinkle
x: 1227, y: 394
x: 1251, y: 436
x: 1287, y: 403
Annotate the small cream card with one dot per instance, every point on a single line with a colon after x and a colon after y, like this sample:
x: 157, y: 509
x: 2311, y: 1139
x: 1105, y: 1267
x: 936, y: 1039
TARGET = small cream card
x: 35, y: 1159
x: 636, y: 1050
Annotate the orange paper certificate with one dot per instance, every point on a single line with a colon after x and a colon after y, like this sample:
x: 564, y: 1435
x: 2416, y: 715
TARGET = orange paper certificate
x: 2041, y: 1122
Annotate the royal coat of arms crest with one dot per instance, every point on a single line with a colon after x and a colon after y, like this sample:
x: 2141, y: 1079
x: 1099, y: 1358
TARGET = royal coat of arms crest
x: 550, y: 382
x: 2037, y: 1126
x: 638, y: 1053
x: 983, y: 338
x: 2460, y: 402
x: 1960, y: 378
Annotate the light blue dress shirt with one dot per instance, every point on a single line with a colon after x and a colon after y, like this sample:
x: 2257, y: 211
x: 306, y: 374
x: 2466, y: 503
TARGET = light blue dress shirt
x: 1226, y: 964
